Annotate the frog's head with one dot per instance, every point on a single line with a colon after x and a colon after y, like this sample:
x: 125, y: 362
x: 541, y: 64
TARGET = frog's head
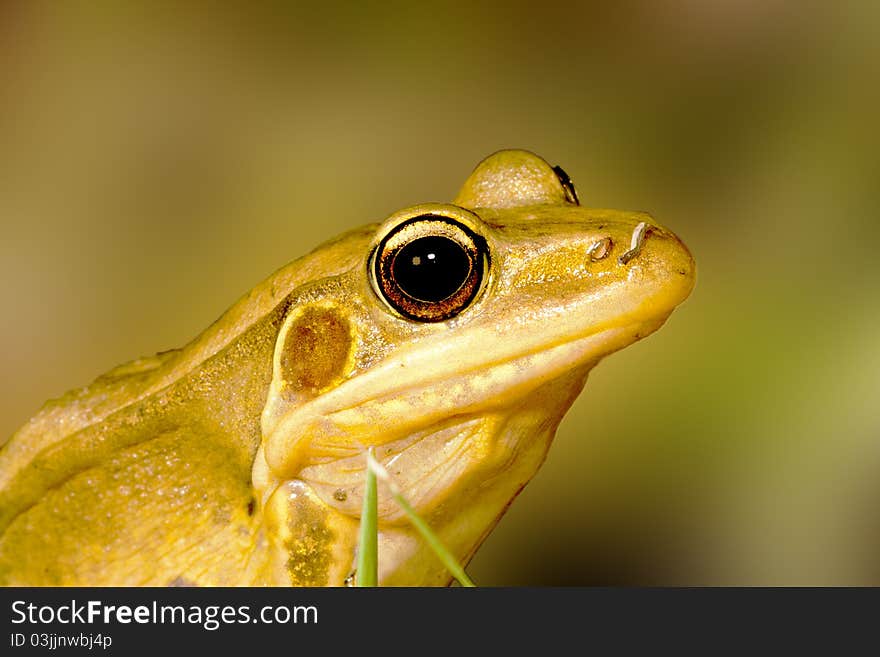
x: 462, y: 336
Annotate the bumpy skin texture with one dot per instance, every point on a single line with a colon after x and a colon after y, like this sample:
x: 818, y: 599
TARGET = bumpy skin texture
x: 239, y: 459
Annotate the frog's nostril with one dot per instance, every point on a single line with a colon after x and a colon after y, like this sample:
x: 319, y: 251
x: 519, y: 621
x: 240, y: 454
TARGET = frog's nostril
x: 600, y: 249
x: 635, y: 243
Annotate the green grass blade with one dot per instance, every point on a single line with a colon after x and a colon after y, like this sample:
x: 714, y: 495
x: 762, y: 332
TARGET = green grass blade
x: 431, y: 539
x: 368, y: 541
x: 445, y: 556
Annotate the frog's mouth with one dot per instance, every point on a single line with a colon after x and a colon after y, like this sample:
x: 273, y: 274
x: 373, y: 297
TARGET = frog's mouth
x: 476, y: 374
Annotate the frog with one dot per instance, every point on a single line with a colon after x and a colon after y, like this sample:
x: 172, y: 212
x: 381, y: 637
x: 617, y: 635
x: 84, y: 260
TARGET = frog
x: 446, y: 342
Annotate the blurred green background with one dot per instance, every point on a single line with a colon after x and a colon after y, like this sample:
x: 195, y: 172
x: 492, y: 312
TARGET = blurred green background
x: 155, y: 163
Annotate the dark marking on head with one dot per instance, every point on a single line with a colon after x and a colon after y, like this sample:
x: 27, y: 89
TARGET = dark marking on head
x: 316, y: 350
x: 250, y: 507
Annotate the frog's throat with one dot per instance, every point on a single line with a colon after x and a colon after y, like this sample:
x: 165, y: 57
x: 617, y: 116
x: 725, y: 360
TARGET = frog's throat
x: 476, y: 373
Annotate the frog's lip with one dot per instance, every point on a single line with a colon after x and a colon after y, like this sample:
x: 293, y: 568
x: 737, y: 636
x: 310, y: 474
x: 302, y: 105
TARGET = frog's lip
x: 465, y: 380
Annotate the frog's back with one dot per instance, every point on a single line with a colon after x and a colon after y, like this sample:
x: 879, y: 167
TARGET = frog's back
x: 81, y: 407
x: 126, y: 455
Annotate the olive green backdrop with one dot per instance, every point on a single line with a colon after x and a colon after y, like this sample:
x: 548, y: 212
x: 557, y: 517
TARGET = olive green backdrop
x: 155, y: 164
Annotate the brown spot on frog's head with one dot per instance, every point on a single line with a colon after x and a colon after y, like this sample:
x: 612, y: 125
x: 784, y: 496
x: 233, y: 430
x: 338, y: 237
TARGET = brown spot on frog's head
x: 316, y: 350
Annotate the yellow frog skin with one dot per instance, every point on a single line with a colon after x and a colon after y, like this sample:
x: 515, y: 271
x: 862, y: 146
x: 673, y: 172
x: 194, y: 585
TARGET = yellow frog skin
x: 449, y: 338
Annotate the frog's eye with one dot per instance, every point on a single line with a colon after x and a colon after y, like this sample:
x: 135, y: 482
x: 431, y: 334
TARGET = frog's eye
x: 571, y: 194
x: 429, y: 268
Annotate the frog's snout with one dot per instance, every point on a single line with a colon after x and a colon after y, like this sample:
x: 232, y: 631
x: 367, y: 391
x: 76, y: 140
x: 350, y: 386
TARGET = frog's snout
x: 662, y: 259
x: 647, y: 242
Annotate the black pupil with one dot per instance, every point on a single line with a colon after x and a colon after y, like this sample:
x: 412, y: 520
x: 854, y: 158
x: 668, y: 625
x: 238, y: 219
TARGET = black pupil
x: 431, y: 268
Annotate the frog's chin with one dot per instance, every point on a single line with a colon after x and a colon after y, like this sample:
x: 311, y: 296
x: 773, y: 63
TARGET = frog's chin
x: 396, y: 399
x: 447, y: 462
